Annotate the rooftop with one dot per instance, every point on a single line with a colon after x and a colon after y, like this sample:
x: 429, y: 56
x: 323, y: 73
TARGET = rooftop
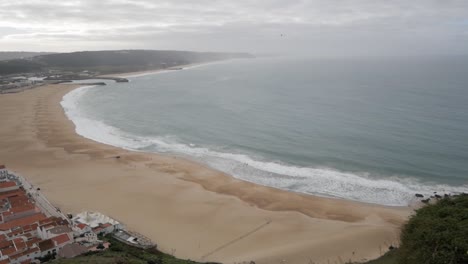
x: 81, y: 226
x: 46, y: 245
x: 28, y: 220
x: 61, y: 239
x: 94, y: 219
x: 27, y: 252
x: 60, y: 230
x: 7, y: 184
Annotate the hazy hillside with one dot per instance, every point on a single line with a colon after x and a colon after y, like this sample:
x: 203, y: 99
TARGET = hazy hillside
x: 113, y: 61
x: 10, y: 55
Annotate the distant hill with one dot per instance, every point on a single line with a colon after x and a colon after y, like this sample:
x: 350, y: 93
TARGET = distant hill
x: 11, y: 55
x: 113, y: 61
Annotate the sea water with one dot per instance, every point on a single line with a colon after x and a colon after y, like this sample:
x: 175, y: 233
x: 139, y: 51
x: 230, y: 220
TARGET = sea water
x: 375, y: 130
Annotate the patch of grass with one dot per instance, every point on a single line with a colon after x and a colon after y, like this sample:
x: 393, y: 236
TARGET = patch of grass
x: 389, y: 258
x: 120, y: 253
x: 436, y: 234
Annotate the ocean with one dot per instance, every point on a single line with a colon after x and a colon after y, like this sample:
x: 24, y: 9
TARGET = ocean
x: 375, y: 130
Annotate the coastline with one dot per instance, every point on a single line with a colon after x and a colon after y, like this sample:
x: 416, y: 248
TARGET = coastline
x: 170, y: 69
x: 185, y: 207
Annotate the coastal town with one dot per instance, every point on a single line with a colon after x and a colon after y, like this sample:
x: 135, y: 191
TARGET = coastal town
x: 32, y: 230
x: 14, y: 83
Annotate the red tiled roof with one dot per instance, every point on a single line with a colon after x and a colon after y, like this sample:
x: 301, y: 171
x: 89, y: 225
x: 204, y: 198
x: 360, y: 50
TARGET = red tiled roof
x: 61, y: 239
x: 106, y: 225
x: 49, y: 226
x: 19, y: 200
x: 11, y: 193
x: 19, y: 209
x: 97, y: 229
x: 28, y: 220
x: 6, y: 244
x: 20, y: 244
x: 5, y: 261
x: 45, y: 245
x: 81, y: 226
x: 2, y: 167
x: 24, y: 253
x: 27, y: 228
x: 49, y: 220
x: 14, y: 233
x: 8, y: 251
x: 33, y: 241
x: 7, y: 184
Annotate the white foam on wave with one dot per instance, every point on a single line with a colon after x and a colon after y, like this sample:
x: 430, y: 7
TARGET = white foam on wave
x: 90, y: 128
x: 393, y: 191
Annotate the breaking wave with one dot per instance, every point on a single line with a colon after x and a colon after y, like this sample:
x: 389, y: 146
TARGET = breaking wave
x: 390, y: 190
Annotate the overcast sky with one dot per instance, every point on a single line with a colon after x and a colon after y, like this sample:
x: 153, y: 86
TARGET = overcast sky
x: 313, y: 27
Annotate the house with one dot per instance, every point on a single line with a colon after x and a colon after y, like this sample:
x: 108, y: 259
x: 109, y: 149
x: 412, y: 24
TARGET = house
x: 61, y: 240
x: 91, y: 237
x: 8, y: 186
x: 95, y: 219
x: 61, y: 229
x: 3, y: 171
x: 19, y: 212
x: 52, y: 245
x: 103, y: 229
x: 80, y: 229
x: 47, y: 247
x: 29, y: 220
x: 23, y: 256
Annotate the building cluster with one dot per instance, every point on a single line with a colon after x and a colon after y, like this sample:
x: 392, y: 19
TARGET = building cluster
x: 13, y: 83
x: 29, y: 233
x: 19, y: 82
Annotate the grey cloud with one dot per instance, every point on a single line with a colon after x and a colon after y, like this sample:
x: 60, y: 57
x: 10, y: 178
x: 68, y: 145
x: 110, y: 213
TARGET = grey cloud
x: 315, y: 27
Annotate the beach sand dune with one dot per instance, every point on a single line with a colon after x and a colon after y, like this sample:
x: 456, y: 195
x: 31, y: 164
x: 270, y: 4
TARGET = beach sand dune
x: 186, y: 208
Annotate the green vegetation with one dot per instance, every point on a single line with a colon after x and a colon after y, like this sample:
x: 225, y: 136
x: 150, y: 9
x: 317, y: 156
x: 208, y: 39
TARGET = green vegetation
x: 389, y: 258
x: 112, y: 61
x: 120, y: 253
x: 436, y: 234
x: 17, y: 66
x: 11, y: 55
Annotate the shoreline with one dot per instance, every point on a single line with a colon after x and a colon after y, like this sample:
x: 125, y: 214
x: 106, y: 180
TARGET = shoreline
x: 413, y: 203
x: 170, y: 69
x: 181, y: 199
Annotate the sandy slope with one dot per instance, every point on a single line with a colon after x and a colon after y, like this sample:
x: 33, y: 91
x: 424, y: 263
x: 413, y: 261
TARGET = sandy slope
x: 184, y: 207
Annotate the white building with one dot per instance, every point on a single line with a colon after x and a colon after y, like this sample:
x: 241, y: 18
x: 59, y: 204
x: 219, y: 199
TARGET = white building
x: 80, y: 229
x: 31, y: 253
x: 91, y: 237
x: 3, y: 171
x: 96, y: 220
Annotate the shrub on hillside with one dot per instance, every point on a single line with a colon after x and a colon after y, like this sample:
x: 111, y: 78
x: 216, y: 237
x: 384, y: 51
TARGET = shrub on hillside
x: 437, y: 233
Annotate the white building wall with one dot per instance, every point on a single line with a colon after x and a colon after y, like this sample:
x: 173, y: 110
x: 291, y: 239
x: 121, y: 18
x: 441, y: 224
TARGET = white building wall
x: 3, y: 172
x: 23, y: 258
x: 12, y: 188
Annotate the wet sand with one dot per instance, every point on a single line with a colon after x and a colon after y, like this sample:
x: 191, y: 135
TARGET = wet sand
x: 186, y: 208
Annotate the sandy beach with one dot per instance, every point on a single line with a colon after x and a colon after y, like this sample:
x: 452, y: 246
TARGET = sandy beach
x: 186, y: 208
